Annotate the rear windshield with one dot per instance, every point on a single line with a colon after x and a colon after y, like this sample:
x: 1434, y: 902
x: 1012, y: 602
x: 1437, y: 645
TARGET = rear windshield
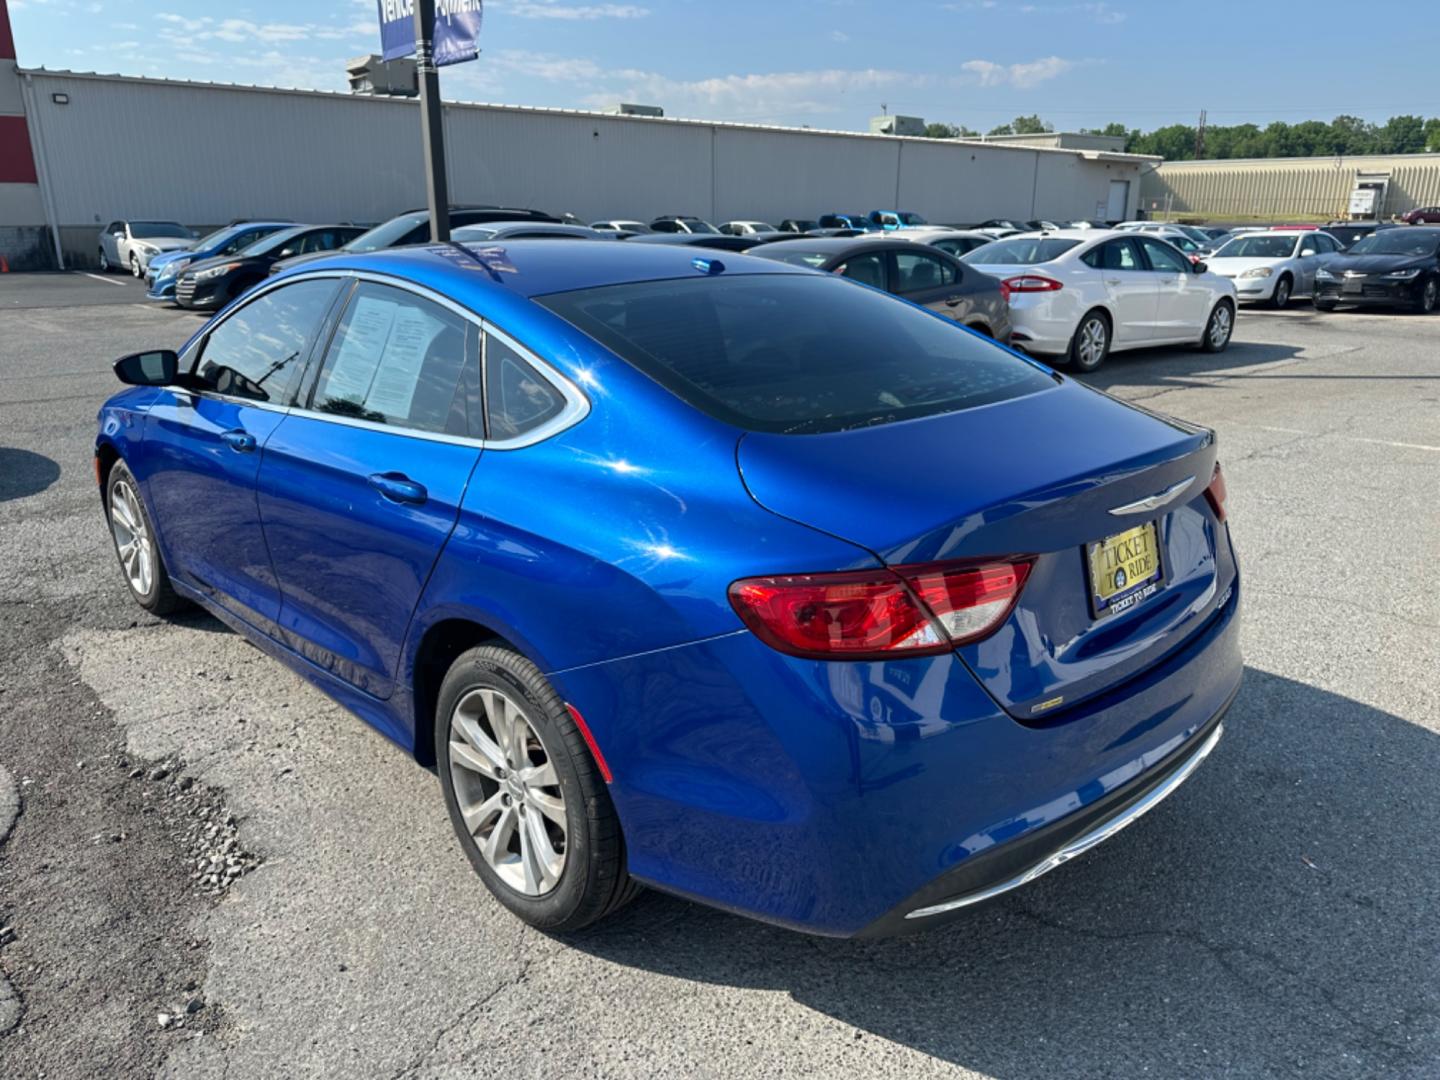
x: 386, y: 234
x: 796, y: 353
x: 1020, y: 250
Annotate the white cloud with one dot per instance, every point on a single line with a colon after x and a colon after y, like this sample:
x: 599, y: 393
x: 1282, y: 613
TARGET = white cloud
x: 839, y: 36
x: 571, y: 12
x: 1023, y: 76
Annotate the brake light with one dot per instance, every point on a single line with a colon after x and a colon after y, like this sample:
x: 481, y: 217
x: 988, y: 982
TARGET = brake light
x: 1215, y: 493
x: 972, y: 602
x: 876, y: 614
x: 1031, y: 283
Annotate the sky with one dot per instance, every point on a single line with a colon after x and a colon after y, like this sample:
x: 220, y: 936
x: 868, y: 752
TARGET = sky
x: 821, y: 63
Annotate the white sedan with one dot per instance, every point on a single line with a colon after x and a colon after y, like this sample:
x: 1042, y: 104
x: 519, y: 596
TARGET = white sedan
x: 1271, y: 267
x: 1080, y: 294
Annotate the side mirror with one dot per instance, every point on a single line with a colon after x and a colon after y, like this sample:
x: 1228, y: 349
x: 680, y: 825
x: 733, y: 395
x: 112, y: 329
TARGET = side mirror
x: 1200, y: 267
x: 158, y: 368
x: 1308, y: 251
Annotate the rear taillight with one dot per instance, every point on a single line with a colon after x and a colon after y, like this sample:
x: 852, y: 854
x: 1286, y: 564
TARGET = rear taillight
x: 1031, y: 283
x: 1215, y: 493
x: 875, y: 614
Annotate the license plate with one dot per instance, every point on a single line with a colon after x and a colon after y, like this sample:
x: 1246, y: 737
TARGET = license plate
x: 1352, y: 285
x: 1124, y: 569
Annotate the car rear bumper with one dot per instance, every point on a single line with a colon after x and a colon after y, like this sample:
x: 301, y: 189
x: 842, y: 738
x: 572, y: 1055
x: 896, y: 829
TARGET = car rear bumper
x: 839, y: 798
x: 994, y: 873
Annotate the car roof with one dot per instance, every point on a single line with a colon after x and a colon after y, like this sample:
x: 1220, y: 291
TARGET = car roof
x: 529, y: 268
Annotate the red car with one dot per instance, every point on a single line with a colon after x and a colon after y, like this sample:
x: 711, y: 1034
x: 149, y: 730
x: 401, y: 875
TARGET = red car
x: 1422, y: 215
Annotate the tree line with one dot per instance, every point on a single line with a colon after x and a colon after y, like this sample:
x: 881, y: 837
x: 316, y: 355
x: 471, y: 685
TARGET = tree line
x: 1345, y: 135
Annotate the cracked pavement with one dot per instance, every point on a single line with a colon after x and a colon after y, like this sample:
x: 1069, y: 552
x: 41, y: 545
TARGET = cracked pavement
x: 1276, y: 917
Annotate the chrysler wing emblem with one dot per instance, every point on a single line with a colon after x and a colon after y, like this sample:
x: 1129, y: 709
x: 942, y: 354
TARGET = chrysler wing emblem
x: 1153, y: 502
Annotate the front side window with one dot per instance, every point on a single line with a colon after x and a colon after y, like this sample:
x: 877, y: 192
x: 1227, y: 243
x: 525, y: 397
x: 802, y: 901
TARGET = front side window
x: 396, y: 358
x: 918, y: 272
x: 256, y: 351
x: 1163, y: 257
x: 245, y: 238
x: 796, y: 353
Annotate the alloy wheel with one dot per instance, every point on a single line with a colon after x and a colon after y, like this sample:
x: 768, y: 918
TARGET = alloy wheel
x: 1282, y: 294
x: 132, y: 538
x: 104, y: 261
x: 1220, y: 326
x: 135, y: 266
x: 508, y: 791
x: 1091, y: 347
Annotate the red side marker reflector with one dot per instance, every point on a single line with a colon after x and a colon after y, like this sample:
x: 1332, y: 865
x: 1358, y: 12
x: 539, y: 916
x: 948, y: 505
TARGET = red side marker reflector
x: 590, y: 742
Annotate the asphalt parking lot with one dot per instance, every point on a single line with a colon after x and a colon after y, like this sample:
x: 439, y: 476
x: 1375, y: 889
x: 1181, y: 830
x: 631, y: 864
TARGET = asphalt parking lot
x: 1276, y: 917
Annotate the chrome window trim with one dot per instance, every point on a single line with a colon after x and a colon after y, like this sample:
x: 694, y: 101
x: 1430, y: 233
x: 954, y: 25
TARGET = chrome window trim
x: 577, y: 405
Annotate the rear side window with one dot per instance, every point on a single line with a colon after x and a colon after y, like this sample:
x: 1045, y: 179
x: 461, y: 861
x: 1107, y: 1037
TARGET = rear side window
x: 256, y: 351
x: 796, y: 353
x: 1021, y: 250
x: 917, y: 272
x: 396, y: 358
x: 517, y: 398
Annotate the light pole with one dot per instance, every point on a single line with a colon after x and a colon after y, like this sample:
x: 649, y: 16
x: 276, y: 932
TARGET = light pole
x: 432, y: 123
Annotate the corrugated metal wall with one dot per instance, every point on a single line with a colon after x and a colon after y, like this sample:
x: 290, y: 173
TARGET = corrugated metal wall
x: 1289, y: 187
x: 203, y: 154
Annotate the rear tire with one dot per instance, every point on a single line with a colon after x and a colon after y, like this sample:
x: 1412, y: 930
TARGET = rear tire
x: 104, y: 262
x: 135, y: 545
x: 1280, y: 298
x: 1219, y: 328
x: 1091, y: 343
x: 511, y: 757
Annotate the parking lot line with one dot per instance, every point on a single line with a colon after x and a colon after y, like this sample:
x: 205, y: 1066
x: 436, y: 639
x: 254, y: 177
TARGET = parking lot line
x: 97, y: 277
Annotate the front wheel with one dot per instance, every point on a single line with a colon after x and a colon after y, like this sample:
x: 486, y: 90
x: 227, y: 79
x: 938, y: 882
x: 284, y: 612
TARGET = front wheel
x: 1280, y: 298
x: 134, y: 537
x: 525, y: 795
x: 1429, y: 297
x: 135, y: 266
x: 1091, y: 343
x: 1219, y: 328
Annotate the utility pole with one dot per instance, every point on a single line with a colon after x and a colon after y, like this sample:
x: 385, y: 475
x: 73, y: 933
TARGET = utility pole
x: 1200, y: 138
x: 432, y: 124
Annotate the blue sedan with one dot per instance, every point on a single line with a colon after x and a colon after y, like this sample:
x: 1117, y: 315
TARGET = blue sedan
x: 700, y: 571
x: 163, y: 272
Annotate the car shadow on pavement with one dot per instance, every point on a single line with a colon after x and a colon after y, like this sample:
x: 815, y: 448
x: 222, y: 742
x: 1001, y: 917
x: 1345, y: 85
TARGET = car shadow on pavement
x: 1157, y: 367
x: 1275, y: 916
x: 24, y: 472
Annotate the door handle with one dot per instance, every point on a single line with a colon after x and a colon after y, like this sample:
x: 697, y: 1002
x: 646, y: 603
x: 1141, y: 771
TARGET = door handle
x: 1113, y: 281
x: 954, y: 301
x: 238, y: 440
x: 397, y: 487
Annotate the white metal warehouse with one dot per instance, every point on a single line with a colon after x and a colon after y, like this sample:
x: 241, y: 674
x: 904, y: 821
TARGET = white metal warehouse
x: 109, y: 147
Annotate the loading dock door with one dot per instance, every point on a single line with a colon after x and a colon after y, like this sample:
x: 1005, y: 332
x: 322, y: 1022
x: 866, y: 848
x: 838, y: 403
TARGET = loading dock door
x: 1119, y: 200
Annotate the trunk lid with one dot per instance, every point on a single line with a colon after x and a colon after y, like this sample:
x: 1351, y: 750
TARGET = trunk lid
x: 1038, y: 476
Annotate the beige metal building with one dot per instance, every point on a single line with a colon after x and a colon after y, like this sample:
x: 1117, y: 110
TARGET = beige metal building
x: 1280, y: 188
x: 110, y: 147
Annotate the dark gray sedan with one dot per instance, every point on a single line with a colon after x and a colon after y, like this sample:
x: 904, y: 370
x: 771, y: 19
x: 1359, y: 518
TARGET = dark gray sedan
x: 917, y: 272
